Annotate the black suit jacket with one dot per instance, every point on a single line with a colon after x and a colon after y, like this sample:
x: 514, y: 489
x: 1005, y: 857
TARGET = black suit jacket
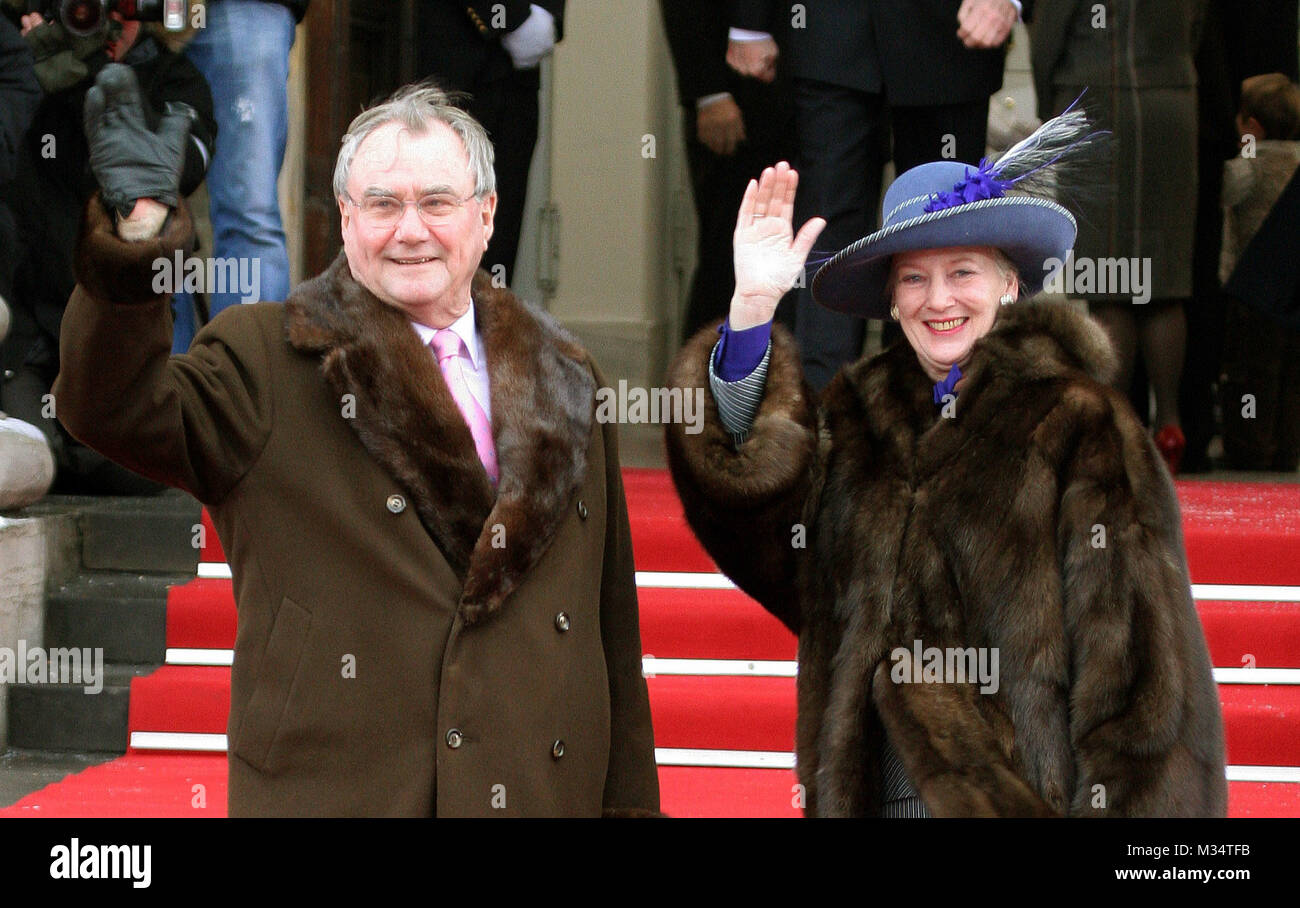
x: 697, y: 38
x: 459, y: 41
x: 907, y: 49
x: 20, y: 94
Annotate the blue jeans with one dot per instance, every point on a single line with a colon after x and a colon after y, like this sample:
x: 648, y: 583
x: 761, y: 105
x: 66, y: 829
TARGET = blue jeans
x: 244, y: 53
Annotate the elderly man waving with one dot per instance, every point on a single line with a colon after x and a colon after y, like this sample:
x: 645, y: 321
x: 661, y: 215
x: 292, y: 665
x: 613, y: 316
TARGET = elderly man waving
x: 406, y: 474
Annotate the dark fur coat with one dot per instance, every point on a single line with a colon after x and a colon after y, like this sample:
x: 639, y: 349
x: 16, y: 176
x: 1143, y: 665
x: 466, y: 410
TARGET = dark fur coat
x: 1036, y: 519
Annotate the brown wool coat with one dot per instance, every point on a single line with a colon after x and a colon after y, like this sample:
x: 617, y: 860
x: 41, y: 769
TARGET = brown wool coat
x: 360, y: 528
x: 972, y: 531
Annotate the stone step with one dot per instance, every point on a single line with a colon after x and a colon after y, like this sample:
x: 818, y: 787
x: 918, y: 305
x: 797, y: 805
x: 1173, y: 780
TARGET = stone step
x: 123, y: 614
x: 66, y: 717
x: 25, y: 771
x: 137, y: 534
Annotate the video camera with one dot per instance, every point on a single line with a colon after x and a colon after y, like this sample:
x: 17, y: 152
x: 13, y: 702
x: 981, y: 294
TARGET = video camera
x: 85, y: 18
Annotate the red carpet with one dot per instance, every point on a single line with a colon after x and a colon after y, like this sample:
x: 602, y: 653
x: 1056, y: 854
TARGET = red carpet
x: 153, y: 785
x: 164, y: 785
x: 720, y: 713
x: 1246, y: 532
x: 1235, y: 534
x: 1252, y: 634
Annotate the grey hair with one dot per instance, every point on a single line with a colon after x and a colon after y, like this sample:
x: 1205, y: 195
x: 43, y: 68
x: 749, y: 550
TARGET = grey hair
x: 417, y: 106
x: 1001, y: 260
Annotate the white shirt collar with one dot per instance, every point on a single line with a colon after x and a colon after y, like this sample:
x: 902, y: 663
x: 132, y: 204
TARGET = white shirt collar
x: 465, y: 327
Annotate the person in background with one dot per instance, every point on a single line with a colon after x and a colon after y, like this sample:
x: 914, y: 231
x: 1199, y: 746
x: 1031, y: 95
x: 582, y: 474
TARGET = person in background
x: 47, y: 197
x: 20, y: 94
x: 1217, y: 142
x: 243, y: 52
x: 1135, y: 63
x: 492, y: 50
x: 1239, y: 40
x: 861, y: 69
x: 1261, y: 369
x: 734, y: 126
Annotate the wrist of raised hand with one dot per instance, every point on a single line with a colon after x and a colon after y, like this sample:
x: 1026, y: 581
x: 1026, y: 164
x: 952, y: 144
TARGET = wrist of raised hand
x: 145, y: 221
x: 749, y: 309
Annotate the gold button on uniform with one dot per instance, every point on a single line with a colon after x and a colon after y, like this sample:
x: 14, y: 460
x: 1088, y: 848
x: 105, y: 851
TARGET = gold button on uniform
x: 562, y: 622
x: 582, y: 509
x: 455, y: 738
x: 557, y: 749
x: 396, y: 504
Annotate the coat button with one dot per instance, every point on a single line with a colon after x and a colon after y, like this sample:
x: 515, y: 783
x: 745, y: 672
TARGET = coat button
x: 557, y: 749
x: 396, y: 504
x: 562, y: 622
x: 582, y: 509
x: 455, y: 738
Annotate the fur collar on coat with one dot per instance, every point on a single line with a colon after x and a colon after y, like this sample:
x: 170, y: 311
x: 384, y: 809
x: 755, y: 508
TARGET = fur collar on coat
x: 543, y: 391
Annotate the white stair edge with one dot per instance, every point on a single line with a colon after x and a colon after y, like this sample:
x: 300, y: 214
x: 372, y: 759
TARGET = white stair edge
x: 178, y: 740
x: 730, y: 759
x: 652, y: 666
x: 744, y: 668
x: 700, y: 580
x: 183, y: 656
x: 1263, y: 773
x: 1257, y: 675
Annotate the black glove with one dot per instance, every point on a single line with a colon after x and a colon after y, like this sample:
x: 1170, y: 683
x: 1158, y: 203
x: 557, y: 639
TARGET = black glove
x: 130, y: 160
x: 60, y: 56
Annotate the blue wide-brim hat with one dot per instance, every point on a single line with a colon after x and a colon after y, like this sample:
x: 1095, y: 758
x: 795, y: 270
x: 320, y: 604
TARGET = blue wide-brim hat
x: 1030, y: 230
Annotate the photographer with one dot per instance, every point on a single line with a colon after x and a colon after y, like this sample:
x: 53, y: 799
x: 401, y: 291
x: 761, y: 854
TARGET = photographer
x: 49, y: 192
x: 19, y: 95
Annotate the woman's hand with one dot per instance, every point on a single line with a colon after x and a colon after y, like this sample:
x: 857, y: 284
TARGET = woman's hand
x: 768, y: 257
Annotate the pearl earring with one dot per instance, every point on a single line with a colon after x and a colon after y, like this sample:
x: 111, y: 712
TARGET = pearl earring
x: 1007, y: 299
x: 893, y: 312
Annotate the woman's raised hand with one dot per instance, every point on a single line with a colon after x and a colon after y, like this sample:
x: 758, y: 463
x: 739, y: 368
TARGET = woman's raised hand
x: 768, y: 256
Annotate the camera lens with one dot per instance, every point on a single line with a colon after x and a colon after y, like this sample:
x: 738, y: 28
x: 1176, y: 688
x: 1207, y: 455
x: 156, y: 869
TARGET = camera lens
x: 82, y: 17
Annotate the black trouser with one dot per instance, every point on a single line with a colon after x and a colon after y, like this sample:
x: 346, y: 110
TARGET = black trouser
x: 1205, y: 315
x: 507, y: 109
x: 843, y: 147
x: 1260, y: 392
x: 719, y: 183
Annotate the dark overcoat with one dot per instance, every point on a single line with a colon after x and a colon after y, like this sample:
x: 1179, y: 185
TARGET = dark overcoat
x: 1133, y: 64
x: 1035, y: 518
x: 410, y: 642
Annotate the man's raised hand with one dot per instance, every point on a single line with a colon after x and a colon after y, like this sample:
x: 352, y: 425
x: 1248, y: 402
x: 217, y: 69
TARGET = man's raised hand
x: 768, y: 256
x: 130, y: 160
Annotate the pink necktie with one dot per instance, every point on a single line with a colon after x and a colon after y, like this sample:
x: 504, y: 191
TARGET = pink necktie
x: 447, y: 344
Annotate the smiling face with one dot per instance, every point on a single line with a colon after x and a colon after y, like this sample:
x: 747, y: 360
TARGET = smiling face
x: 947, y: 299
x: 423, y: 269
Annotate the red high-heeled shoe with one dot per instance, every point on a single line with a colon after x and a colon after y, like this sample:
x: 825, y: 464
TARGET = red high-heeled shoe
x: 1171, y: 443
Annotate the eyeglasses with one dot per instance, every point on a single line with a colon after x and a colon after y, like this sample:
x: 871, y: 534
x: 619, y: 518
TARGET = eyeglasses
x: 386, y: 211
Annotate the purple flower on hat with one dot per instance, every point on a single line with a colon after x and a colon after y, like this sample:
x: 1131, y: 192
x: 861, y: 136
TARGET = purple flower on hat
x: 983, y: 183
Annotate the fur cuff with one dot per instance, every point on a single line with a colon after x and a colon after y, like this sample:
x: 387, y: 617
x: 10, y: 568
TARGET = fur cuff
x: 780, y: 444
x: 114, y: 270
x: 951, y: 752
